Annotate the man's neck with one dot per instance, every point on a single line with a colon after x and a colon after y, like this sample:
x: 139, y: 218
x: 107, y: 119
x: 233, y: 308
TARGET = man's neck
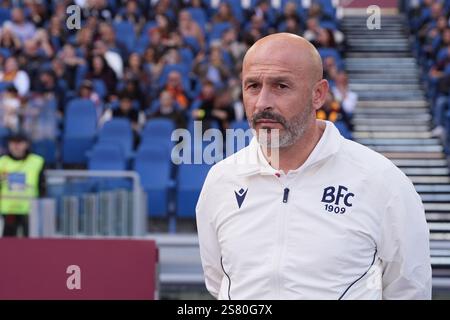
x: 294, y: 156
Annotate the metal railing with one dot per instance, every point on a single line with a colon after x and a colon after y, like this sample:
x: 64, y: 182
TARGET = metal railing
x: 115, y: 212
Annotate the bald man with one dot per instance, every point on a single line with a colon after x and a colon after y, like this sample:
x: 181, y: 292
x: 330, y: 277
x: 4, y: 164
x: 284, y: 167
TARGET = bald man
x: 303, y: 213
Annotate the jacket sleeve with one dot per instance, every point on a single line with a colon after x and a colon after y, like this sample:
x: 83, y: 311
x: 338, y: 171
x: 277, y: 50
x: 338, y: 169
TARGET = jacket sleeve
x: 404, y: 246
x: 208, y: 241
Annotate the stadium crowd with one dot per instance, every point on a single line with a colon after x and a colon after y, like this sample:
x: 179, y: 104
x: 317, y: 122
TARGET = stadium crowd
x: 430, y: 29
x: 142, y: 60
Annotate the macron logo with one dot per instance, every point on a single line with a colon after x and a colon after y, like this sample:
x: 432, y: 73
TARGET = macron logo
x: 240, y: 196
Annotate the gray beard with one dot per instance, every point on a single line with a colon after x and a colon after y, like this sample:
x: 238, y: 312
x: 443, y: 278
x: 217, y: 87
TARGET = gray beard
x: 293, y: 131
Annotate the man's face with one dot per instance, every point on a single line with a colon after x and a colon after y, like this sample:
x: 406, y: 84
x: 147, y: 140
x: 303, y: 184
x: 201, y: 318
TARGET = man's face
x: 277, y: 94
x: 18, y: 148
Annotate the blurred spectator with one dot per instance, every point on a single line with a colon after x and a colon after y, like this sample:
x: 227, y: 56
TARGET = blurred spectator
x: 32, y: 59
x: 205, y: 99
x: 132, y: 88
x: 9, y: 41
x: 292, y: 26
x: 330, y: 69
x: 40, y: 119
x: 235, y: 48
x: 19, y: 78
x: 131, y: 13
x: 290, y: 12
x: 10, y: 105
x: 113, y: 59
x: 216, y: 69
x: 108, y: 38
x: 57, y: 33
x: 189, y: 28
x: 99, y: 9
x: 36, y: 12
x: 125, y: 110
x: 312, y: 31
x: 19, y: 26
x: 47, y: 84
x: 99, y: 70
x: 264, y: 12
x: 19, y: 186
x: 346, y: 97
x: 71, y: 64
x: 325, y: 39
x: 175, y: 87
x: 84, y: 39
x: 332, y: 111
x: 86, y: 91
x: 218, y: 108
x: 224, y: 14
x: 168, y: 109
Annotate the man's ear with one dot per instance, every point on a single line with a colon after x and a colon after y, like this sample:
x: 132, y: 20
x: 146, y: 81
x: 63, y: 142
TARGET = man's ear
x: 319, y: 94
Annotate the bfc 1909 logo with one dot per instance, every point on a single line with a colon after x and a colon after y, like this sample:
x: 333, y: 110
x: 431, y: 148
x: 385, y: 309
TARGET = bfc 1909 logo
x: 332, y: 197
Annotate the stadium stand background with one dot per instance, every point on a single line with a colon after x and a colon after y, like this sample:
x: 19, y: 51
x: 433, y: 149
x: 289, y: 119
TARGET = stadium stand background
x: 108, y: 96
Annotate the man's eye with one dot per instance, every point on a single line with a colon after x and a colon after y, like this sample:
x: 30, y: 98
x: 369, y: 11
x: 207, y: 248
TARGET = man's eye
x: 252, y: 86
x: 282, y: 86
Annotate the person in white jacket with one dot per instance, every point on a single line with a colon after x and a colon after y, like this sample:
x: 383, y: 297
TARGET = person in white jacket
x: 329, y: 219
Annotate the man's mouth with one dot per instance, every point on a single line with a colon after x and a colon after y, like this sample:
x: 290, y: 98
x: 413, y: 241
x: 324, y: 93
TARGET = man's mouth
x: 266, y: 121
x: 269, y: 124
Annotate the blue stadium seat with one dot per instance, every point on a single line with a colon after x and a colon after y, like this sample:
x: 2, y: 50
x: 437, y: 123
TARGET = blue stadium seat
x: 327, y: 8
x: 192, y: 43
x: 343, y: 129
x: 159, y: 129
x: 190, y: 182
x: 5, y: 14
x: 5, y: 52
x: 125, y: 34
x: 4, y: 133
x: 80, y: 75
x: 181, y: 68
x: 217, y: 30
x: 80, y: 127
x: 153, y: 164
x: 107, y: 156
x: 236, y: 7
x: 118, y: 131
x: 5, y: 85
x: 100, y: 88
x: 326, y: 24
x: 331, y: 52
x: 199, y: 16
x: 46, y: 148
x: 187, y: 56
x: 237, y: 143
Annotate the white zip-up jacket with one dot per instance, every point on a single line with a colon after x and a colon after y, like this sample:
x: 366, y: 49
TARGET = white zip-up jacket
x: 347, y: 224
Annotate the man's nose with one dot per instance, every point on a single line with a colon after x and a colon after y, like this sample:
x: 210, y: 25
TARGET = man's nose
x: 265, y: 100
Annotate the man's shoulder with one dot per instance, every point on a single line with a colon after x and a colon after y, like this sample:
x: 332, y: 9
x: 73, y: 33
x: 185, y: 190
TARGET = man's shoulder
x: 363, y: 157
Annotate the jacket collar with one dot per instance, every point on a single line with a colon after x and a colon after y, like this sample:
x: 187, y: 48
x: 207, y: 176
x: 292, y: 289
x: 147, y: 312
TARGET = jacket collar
x: 255, y: 163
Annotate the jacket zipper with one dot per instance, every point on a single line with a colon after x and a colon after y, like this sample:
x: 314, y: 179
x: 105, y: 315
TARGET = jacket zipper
x: 285, y: 195
x: 281, y: 241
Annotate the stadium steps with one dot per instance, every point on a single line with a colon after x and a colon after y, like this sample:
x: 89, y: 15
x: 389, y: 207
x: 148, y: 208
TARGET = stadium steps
x: 393, y: 118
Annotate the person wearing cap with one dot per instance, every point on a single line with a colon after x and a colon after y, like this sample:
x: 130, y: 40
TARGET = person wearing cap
x: 21, y: 180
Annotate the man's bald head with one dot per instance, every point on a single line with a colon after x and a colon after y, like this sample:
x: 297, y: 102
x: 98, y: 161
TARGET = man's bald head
x: 290, y: 48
